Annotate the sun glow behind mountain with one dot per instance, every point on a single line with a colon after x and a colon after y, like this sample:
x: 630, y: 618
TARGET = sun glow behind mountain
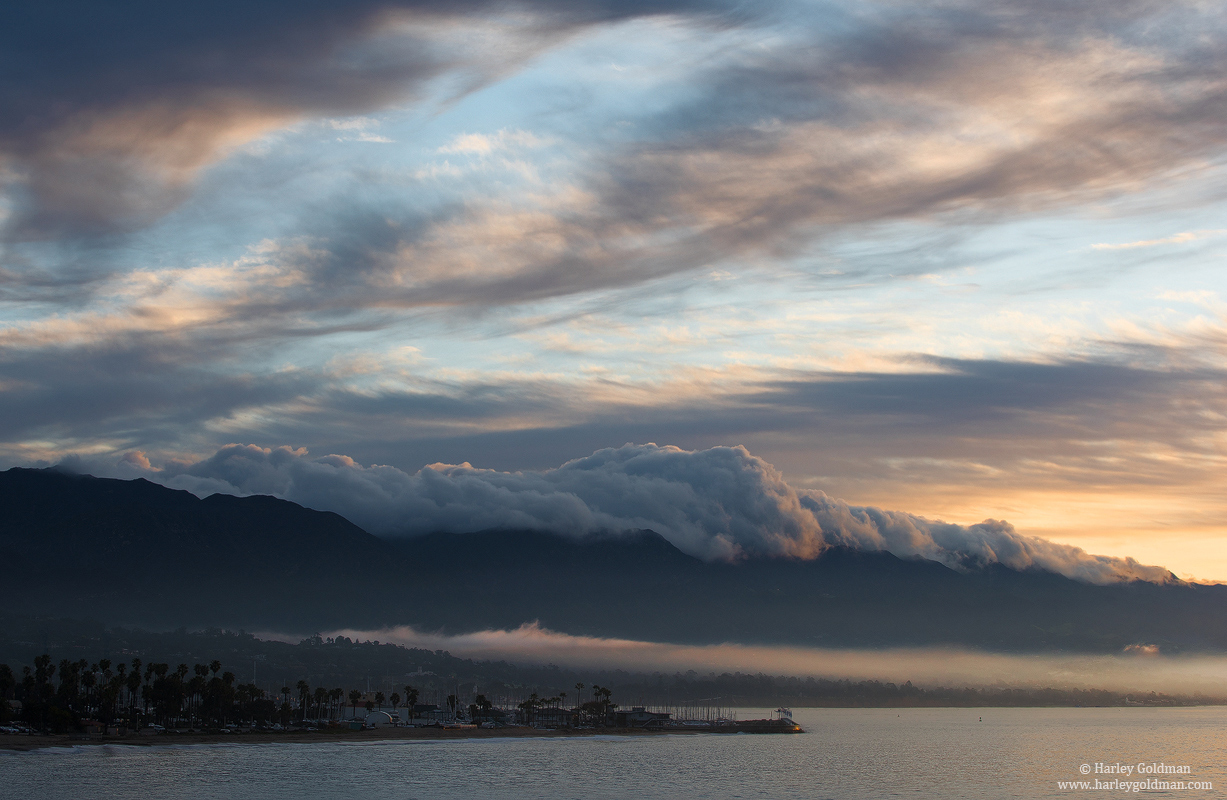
x: 958, y: 261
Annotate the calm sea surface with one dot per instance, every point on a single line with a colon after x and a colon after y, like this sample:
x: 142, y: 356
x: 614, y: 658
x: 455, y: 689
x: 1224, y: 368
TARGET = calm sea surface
x: 875, y: 753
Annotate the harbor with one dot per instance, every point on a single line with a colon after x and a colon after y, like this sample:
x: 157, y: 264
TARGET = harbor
x: 380, y: 726
x: 336, y: 731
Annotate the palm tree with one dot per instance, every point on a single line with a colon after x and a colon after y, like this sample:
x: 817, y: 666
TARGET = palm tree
x: 244, y: 694
x: 354, y: 697
x: 529, y: 707
x: 121, y: 678
x: 148, y: 687
x: 481, y: 707
x: 321, y: 694
x: 225, y: 699
x: 304, y: 691
x: 337, y: 696
x: 606, y: 694
x: 411, y: 700
x: 134, y: 685
x: 88, y: 679
x: 196, y: 688
x: 379, y: 699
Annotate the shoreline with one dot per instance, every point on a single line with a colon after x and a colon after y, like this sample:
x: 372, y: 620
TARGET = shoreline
x: 24, y: 743
x: 31, y: 742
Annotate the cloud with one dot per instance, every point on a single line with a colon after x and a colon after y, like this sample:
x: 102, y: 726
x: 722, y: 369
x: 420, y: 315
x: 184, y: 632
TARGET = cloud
x: 484, y: 144
x: 916, y: 112
x: 832, y: 118
x: 170, y: 332
x: 1101, y: 452
x: 532, y: 644
x: 100, y: 390
x: 1179, y: 238
x: 1124, y: 427
x: 358, y: 129
x: 719, y: 503
x: 796, y: 123
x: 110, y: 113
x: 936, y: 112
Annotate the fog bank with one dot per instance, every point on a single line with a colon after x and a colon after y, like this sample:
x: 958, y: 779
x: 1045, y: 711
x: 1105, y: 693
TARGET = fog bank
x: 719, y: 503
x: 1142, y: 669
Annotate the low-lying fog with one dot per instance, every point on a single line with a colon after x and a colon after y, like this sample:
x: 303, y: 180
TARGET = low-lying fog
x: 1141, y: 669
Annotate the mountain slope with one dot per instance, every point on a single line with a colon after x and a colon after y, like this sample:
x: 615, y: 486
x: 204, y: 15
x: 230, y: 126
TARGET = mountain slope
x: 136, y: 552
x: 642, y: 587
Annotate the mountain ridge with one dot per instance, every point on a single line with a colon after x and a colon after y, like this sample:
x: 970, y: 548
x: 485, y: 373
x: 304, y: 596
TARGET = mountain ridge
x: 135, y: 552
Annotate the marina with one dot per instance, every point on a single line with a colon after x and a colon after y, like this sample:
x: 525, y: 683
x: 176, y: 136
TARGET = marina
x: 381, y: 726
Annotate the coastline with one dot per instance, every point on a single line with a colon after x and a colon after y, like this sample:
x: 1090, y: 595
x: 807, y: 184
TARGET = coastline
x: 24, y: 743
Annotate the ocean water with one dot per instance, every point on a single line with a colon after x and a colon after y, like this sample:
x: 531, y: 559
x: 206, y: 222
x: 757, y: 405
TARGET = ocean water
x: 846, y: 753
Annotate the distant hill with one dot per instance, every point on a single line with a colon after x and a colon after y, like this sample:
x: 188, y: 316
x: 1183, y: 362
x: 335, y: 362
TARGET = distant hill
x: 133, y: 552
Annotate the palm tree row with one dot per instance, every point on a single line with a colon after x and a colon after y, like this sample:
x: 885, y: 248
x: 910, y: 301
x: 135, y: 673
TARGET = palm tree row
x: 204, y: 696
x: 60, y: 698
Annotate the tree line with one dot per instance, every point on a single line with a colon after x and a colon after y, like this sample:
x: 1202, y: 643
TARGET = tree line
x: 63, y: 697
x: 58, y: 698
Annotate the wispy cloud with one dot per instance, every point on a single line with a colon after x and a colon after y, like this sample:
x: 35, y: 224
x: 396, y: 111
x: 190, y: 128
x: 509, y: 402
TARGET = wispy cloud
x: 358, y: 129
x: 1179, y: 238
x: 112, y: 114
x: 482, y: 144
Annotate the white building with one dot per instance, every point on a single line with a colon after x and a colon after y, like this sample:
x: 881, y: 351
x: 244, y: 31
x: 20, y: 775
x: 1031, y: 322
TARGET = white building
x: 379, y: 719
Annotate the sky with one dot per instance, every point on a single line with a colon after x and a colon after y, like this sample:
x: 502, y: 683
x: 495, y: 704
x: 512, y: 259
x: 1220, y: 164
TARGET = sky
x: 957, y: 260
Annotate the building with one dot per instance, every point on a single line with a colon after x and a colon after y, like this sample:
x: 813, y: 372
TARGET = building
x: 379, y: 719
x: 638, y: 717
x: 552, y: 717
x: 427, y: 712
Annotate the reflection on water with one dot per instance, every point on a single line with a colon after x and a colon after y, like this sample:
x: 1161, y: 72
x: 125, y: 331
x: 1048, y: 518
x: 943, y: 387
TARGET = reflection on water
x: 848, y: 753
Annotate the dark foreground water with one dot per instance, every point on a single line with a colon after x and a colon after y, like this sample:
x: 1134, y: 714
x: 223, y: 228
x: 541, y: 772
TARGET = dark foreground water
x: 874, y: 753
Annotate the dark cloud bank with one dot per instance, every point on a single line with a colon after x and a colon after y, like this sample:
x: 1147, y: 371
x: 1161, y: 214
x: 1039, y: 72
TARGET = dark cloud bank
x: 721, y: 503
x: 150, y: 395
